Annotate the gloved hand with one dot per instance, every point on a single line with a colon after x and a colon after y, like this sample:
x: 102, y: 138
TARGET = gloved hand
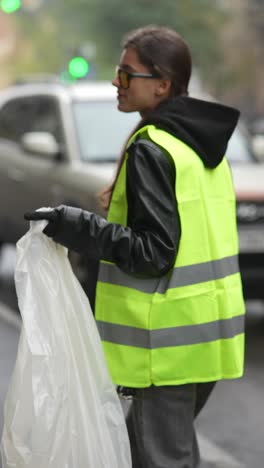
x: 51, y: 215
x: 37, y: 215
x: 68, y: 226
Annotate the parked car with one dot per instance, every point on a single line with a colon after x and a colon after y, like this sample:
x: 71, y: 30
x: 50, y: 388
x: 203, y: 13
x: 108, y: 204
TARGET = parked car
x: 59, y: 144
x: 248, y: 176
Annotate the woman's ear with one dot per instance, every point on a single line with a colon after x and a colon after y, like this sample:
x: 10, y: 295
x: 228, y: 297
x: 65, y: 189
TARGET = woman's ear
x: 163, y: 87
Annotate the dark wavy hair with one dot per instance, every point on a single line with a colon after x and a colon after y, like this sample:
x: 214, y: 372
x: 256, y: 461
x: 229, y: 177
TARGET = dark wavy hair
x: 162, y: 50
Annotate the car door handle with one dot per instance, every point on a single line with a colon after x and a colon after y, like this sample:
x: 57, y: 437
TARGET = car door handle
x: 16, y: 175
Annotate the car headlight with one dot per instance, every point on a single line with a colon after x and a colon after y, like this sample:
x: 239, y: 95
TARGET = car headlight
x: 250, y: 212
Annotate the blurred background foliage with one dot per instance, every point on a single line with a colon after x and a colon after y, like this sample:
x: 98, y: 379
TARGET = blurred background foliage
x: 226, y: 39
x: 62, y: 26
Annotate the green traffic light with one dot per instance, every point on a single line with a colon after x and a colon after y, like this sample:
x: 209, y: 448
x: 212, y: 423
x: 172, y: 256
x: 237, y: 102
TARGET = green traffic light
x: 78, y: 67
x: 8, y: 6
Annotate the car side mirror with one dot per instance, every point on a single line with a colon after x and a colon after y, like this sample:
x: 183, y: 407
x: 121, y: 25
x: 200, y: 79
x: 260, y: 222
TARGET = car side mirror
x: 258, y: 146
x: 42, y: 143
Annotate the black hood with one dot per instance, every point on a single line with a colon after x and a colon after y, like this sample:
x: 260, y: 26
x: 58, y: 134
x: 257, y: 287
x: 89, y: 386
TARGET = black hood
x: 204, y: 126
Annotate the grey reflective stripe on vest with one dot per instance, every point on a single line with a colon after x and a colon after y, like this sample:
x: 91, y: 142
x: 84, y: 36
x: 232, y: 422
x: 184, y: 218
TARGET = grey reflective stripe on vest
x: 181, y: 276
x: 175, y: 336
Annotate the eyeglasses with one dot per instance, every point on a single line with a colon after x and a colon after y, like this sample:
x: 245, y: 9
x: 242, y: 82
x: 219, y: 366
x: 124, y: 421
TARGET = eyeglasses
x: 124, y: 76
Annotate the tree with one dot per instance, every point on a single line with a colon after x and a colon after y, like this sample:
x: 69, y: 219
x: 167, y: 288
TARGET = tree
x: 194, y: 19
x: 242, y: 67
x: 199, y: 21
x: 226, y: 38
x: 63, y: 26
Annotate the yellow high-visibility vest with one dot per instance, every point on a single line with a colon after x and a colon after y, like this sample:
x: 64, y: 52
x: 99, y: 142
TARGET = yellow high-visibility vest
x: 188, y: 325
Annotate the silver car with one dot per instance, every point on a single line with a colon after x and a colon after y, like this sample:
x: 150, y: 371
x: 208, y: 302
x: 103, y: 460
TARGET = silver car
x: 58, y: 144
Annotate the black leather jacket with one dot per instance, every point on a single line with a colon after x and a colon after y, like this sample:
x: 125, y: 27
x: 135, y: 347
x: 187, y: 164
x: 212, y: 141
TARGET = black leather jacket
x: 148, y: 245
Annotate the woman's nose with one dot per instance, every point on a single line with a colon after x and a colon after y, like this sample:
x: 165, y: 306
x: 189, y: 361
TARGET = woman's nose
x: 115, y: 81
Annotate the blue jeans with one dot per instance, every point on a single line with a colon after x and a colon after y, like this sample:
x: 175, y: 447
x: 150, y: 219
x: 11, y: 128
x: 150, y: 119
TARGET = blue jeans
x: 160, y: 425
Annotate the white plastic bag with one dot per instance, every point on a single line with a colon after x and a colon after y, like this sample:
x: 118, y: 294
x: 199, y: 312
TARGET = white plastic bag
x: 62, y: 410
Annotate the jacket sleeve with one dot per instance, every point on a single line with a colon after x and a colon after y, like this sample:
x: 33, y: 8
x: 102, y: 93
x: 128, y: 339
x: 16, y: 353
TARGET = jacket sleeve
x: 148, y: 245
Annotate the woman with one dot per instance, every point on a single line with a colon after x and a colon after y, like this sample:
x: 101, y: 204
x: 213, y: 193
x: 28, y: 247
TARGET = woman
x: 169, y: 302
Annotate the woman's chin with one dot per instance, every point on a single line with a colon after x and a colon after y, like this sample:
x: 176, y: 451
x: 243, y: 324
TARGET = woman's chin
x: 123, y: 108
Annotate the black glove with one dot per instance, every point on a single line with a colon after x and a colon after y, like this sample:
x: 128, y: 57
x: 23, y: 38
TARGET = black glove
x: 67, y: 225
x: 51, y: 215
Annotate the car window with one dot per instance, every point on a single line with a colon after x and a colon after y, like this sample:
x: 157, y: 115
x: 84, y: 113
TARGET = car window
x: 239, y: 149
x: 15, y: 116
x: 47, y: 118
x: 29, y: 114
x: 101, y: 129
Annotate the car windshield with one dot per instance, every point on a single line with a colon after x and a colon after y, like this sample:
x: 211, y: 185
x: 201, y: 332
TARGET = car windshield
x: 238, y: 149
x: 101, y: 129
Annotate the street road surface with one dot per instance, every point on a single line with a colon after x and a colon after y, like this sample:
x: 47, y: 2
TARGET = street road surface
x: 9, y: 336
x: 234, y: 416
